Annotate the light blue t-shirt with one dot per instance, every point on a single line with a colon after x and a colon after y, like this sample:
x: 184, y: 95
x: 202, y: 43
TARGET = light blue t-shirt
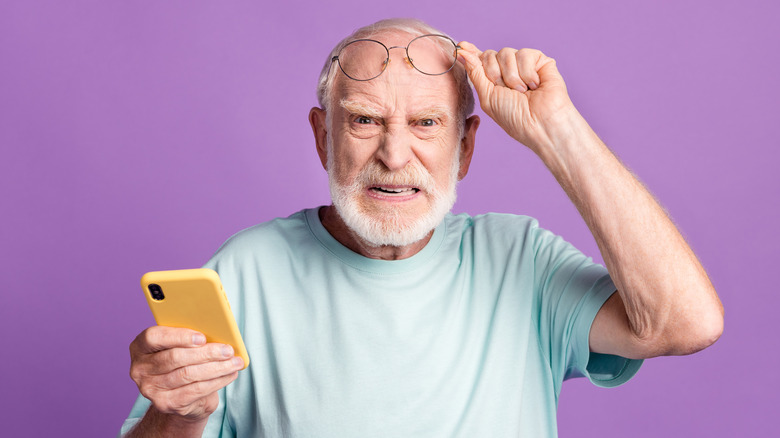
x: 472, y: 336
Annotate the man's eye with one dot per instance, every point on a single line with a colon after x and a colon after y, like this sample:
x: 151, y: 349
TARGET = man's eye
x: 427, y: 122
x: 363, y: 120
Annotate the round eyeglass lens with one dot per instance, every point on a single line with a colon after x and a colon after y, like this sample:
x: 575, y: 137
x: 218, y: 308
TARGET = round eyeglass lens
x: 363, y: 59
x: 432, y: 54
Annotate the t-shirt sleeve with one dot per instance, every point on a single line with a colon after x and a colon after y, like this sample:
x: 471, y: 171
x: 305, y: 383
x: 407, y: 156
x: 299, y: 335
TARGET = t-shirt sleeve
x: 572, y: 289
x: 140, y: 407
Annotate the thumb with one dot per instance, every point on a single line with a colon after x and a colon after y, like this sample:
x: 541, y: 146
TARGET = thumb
x: 469, y: 57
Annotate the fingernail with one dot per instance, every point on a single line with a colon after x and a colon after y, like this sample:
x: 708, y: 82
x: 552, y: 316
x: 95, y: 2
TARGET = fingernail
x: 238, y: 362
x: 198, y: 339
x: 532, y: 85
x: 227, y: 350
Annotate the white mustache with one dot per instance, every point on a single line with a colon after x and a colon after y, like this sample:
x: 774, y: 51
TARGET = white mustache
x: 413, y: 175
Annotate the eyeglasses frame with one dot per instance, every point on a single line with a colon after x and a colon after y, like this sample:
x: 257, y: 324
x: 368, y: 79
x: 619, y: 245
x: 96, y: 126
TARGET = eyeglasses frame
x: 387, y: 59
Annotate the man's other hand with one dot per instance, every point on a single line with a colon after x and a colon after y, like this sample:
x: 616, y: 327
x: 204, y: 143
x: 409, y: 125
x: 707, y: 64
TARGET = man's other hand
x: 180, y: 373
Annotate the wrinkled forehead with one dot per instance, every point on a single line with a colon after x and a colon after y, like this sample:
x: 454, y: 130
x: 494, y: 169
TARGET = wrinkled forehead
x: 396, y: 89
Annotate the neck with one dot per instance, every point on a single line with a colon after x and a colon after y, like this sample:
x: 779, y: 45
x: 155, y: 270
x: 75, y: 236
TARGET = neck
x: 344, y: 235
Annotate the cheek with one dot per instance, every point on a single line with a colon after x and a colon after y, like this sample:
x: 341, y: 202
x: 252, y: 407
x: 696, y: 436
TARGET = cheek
x: 342, y: 169
x: 439, y: 161
x: 349, y: 160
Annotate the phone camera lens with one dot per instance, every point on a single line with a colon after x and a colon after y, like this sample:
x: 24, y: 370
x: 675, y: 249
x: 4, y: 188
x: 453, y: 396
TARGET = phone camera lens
x: 156, y: 291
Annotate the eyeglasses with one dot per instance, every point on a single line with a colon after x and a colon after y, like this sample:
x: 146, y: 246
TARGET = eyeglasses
x: 365, y: 59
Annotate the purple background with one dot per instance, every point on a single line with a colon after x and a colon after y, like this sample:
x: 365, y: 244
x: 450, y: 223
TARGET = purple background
x: 138, y: 136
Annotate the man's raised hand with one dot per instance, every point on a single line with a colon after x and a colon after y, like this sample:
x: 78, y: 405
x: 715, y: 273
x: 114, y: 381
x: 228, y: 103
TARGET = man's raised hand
x: 522, y: 91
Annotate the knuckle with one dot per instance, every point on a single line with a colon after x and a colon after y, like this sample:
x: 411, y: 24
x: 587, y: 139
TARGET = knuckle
x: 201, y: 389
x: 138, y: 342
x: 186, y: 375
x: 493, y: 73
x: 198, y: 388
x: 135, y: 374
x: 140, y: 373
x: 163, y: 402
x: 173, y: 356
x: 145, y: 339
x: 172, y: 402
x: 149, y: 334
x: 148, y: 390
x: 513, y: 80
x: 489, y: 53
x: 177, y: 404
x: 185, y: 397
x: 210, y: 404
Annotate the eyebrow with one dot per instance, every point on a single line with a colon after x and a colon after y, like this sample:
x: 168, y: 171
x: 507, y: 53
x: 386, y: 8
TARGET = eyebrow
x: 356, y: 107
x: 433, y: 112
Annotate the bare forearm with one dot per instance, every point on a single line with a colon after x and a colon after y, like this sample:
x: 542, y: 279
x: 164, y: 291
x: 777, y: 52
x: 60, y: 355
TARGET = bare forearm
x: 155, y: 424
x: 670, y: 303
x: 666, y: 303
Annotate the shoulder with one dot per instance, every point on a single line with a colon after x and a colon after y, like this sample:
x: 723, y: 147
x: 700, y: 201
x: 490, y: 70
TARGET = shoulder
x: 275, y: 235
x: 492, y: 225
x: 493, y: 236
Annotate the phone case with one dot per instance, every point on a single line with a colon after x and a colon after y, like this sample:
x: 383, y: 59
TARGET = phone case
x: 194, y: 299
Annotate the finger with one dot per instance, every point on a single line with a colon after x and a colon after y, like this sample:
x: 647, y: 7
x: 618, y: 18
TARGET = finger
x: 548, y: 72
x: 507, y: 60
x: 467, y: 47
x: 470, y: 58
x: 197, y: 390
x: 199, y: 373
x: 492, y: 67
x: 168, y: 360
x: 158, y: 338
x: 182, y: 400
x: 529, y: 61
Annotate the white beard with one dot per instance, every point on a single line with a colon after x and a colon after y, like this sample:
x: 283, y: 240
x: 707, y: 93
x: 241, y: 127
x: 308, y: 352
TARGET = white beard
x: 391, y: 228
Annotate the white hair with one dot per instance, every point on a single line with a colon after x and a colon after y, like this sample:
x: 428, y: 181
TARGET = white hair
x: 413, y: 27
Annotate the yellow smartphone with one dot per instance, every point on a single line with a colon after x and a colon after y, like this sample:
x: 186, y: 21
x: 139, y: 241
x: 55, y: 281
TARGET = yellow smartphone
x: 194, y: 299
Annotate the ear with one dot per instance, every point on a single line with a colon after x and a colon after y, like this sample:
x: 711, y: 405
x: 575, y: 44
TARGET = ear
x: 317, y: 122
x: 467, y: 145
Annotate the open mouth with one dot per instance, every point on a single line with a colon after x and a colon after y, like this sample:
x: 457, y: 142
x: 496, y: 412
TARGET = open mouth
x: 395, y: 191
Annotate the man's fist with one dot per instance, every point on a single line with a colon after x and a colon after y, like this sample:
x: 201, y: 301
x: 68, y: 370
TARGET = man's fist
x: 522, y: 91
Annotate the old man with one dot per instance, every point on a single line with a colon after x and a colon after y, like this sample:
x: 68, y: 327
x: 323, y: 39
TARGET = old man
x: 384, y: 315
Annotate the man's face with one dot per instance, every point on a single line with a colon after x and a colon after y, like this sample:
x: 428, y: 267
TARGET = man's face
x: 393, y: 150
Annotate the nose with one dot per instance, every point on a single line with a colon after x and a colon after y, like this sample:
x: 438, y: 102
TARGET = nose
x: 395, y: 150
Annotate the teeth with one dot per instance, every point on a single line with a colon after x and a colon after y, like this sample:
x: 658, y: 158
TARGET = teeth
x: 395, y: 190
